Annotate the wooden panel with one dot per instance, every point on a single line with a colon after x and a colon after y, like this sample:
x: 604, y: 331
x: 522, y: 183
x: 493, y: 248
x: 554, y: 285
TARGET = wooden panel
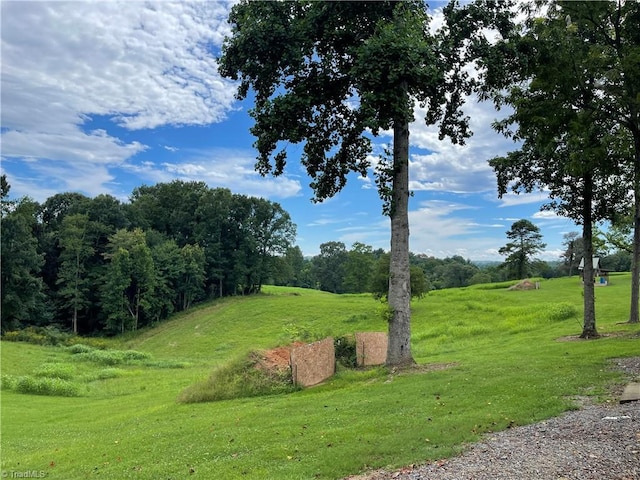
x: 313, y: 363
x: 371, y: 348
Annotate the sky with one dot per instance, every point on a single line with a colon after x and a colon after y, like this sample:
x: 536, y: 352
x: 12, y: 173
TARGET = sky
x: 102, y: 97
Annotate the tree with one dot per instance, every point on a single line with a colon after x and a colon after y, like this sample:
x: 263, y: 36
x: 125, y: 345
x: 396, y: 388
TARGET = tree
x: 75, y: 250
x: 569, y: 147
x: 329, y: 266
x: 273, y: 232
x: 596, y: 48
x: 380, y: 279
x: 526, y: 241
x: 211, y: 231
x: 129, y: 280
x: 22, y: 289
x: 573, y: 251
x: 358, y: 268
x: 192, y: 275
x: 331, y: 74
x: 169, y: 208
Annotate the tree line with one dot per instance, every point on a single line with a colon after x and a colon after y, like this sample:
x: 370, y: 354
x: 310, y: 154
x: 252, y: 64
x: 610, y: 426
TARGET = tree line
x: 98, y: 265
x: 101, y: 265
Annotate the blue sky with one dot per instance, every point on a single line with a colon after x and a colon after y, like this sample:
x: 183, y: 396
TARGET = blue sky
x: 102, y: 97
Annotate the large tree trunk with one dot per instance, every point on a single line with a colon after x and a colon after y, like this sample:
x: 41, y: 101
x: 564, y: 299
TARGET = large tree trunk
x: 399, y: 349
x: 635, y: 260
x: 589, y: 326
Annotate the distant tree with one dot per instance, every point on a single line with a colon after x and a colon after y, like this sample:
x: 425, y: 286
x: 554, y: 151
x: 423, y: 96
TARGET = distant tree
x: 191, y: 279
x: 526, y: 241
x: 168, y: 268
x: 273, y: 232
x: 358, y: 268
x: 480, y: 277
x: 73, y: 280
x: 51, y: 214
x: 380, y: 280
x: 169, y: 208
x: 212, y: 229
x: 572, y: 253
x: 129, y: 284
x: 296, y: 262
x: 329, y: 266
x: 22, y: 289
x: 456, y: 274
x: 619, y: 261
x: 6, y: 205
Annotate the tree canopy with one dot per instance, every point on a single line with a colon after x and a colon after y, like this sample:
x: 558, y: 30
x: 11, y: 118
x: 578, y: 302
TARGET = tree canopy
x: 329, y: 75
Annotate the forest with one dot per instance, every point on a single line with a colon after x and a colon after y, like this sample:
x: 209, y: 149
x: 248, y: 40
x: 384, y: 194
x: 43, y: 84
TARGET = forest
x: 102, y: 266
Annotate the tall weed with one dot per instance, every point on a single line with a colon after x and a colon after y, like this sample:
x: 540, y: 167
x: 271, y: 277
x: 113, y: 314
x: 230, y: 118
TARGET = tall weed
x: 47, y: 386
x: 240, y: 378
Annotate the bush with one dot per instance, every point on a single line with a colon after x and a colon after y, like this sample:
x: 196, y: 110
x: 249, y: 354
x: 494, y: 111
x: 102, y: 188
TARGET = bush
x: 108, y: 357
x: 55, y: 370
x: 28, y: 335
x: 47, y: 386
x: 241, y: 378
x: 52, y: 335
x: 79, y: 348
x: 561, y: 311
x: 345, y: 348
x: 8, y: 382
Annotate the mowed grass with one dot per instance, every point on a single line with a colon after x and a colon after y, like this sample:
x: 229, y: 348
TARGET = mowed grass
x: 506, y: 366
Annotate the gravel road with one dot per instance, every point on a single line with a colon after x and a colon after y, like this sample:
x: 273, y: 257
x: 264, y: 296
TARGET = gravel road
x: 596, y: 442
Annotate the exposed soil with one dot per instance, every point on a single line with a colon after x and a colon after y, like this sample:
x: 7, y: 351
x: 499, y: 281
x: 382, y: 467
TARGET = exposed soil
x: 277, y: 358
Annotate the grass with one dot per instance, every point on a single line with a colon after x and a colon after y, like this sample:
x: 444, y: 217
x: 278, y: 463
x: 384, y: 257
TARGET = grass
x: 507, y: 368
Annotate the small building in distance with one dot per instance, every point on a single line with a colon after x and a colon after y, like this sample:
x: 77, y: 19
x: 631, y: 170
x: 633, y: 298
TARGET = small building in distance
x: 600, y: 275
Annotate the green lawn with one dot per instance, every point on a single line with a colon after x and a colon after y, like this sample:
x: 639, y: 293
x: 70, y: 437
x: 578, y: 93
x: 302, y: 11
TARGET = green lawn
x: 508, y: 368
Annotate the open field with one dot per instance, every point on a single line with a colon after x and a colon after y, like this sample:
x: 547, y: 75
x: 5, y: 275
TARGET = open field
x: 511, y: 363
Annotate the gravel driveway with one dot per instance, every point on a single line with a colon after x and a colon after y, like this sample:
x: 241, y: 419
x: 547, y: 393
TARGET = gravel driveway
x: 597, y: 442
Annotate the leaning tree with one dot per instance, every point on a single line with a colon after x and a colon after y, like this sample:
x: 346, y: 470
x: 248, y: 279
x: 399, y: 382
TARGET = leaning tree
x: 330, y: 75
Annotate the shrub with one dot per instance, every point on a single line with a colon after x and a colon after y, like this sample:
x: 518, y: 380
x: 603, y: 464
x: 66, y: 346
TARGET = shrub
x: 240, y: 378
x: 28, y: 335
x: 79, y: 348
x: 47, y: 386
x: 55, y: 370
x: 108, y: 357
x: 345, y: 349
x: 561, y: 311
x: 8, y: 382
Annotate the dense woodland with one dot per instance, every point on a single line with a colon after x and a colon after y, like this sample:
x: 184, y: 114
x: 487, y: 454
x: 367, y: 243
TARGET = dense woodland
x: 102, y: 266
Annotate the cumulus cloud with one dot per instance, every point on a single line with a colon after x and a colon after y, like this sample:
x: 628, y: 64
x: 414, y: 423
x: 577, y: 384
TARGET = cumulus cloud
x: 138, y: 65
x: 457, y: 168
x: 219, y: 167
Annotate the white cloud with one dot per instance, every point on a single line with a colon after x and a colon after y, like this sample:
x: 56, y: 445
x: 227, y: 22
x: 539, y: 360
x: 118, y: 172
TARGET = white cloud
x: 139, y: 65
x: 219, y: 167
x: 441, y: 229
x: 457, y: 168
x: 512, y: 199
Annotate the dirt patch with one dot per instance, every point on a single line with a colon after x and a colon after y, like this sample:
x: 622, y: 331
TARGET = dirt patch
x: 276, y: 358
x: 525, y: 285
x: 576, y: 338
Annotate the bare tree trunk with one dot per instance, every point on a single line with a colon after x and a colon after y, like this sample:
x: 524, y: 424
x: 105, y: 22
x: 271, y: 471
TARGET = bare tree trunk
x: 589, y: 327
x: 399, y: 348
x: 635, y: 259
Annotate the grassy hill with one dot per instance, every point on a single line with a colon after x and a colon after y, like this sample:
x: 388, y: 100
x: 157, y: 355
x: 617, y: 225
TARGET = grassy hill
x: 512, y: 355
